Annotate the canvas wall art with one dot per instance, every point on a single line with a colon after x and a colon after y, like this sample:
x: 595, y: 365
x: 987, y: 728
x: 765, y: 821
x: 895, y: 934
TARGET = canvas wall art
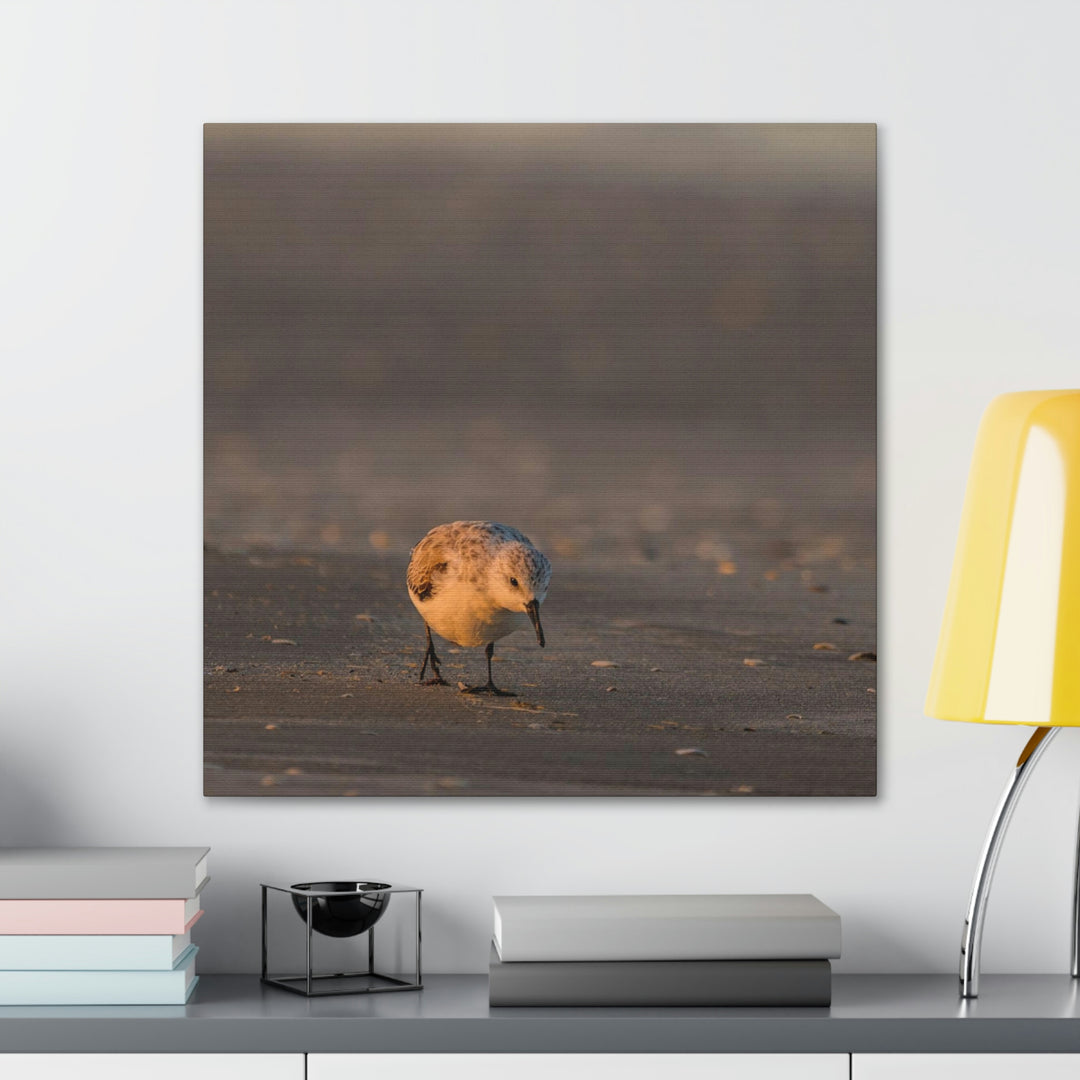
x: 540, y: 460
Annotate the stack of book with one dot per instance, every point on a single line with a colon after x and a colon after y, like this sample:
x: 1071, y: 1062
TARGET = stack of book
x: 99, y: 926
x: 663, y: 950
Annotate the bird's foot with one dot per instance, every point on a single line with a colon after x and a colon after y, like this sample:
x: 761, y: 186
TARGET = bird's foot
x: 490, y: 688
x: 438, y: 680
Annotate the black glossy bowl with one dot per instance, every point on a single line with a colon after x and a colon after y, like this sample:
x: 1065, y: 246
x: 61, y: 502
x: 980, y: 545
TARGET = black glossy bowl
x: 342, y: 916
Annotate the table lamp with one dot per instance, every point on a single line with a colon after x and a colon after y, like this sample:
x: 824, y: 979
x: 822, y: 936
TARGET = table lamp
x: 1009, y: 650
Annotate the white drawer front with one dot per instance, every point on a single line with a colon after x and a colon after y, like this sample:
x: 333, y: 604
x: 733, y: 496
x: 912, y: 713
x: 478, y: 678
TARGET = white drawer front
x: 152, y: 1066
x: 965, y: 1066
x: 578, y: 1066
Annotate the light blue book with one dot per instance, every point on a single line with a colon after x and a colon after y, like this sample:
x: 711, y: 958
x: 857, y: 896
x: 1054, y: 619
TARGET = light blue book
x: 169, y: 987
x: 91, y: 952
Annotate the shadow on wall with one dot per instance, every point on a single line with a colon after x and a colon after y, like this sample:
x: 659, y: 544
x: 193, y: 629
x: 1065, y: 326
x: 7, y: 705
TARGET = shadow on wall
x: 30, y: 814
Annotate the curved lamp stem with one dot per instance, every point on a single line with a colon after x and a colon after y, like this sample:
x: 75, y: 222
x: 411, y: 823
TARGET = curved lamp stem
x: 1076, y: 913
x: 971, y: 946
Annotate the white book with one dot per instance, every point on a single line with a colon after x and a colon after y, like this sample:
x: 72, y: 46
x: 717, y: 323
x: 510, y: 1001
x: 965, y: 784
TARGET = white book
x: 91, y: 952
x: 786, y: 926
x: 124, y: 873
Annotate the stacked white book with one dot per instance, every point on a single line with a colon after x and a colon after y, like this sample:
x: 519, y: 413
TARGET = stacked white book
x: 747, y: 950
x: 99, y: 926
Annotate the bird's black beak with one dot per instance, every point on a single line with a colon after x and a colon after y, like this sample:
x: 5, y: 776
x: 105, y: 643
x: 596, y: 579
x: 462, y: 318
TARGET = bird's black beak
x: 533, y: 609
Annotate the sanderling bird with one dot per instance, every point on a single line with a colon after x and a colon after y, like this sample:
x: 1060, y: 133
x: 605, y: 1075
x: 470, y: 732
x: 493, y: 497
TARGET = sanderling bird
x: 474, y: 582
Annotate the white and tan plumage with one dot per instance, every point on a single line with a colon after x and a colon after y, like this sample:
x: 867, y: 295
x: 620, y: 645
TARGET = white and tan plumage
x: 474, y: 582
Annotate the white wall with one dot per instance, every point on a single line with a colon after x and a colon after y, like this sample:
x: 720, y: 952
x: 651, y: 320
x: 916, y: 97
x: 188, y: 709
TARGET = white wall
x: 101, y: 106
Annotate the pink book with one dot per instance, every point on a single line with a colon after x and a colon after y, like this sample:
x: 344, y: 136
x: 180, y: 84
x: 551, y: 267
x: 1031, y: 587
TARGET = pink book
x: 98, y: 916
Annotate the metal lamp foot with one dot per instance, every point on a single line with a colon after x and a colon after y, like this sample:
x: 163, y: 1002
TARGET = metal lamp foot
x: 971, y: 945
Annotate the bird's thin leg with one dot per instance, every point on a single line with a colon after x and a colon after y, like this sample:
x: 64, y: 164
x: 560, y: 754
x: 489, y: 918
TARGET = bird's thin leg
x: 438, y: 680
x: 490, y: 688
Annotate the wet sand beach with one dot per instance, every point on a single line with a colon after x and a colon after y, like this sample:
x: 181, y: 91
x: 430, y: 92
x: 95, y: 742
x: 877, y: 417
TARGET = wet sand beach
x: 312, y: 665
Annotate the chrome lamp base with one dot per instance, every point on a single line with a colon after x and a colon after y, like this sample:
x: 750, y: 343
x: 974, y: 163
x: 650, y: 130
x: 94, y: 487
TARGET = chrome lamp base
x: 971, y: 944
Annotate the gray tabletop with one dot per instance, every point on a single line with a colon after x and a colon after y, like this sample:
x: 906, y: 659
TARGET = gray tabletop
x: 870, y: 1013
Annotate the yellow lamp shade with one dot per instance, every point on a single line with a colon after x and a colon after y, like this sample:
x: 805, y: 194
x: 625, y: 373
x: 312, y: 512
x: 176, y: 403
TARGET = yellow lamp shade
x: 1009, y: 651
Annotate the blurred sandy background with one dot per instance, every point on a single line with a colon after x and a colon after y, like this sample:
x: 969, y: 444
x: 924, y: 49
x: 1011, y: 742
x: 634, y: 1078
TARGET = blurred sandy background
x: 652, y: 348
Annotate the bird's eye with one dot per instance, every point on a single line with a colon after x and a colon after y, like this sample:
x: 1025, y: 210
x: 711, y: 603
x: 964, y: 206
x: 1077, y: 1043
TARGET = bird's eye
x: 514, y: 582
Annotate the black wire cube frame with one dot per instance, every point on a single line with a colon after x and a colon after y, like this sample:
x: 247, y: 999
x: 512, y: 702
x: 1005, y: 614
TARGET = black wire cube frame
x: 343, y: 982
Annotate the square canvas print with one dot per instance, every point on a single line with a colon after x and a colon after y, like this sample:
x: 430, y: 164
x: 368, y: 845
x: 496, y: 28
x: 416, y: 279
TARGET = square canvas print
x: 540, y: 459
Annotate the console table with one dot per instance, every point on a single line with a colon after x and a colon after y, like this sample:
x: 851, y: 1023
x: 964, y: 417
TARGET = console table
x: 1037, y: 1016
